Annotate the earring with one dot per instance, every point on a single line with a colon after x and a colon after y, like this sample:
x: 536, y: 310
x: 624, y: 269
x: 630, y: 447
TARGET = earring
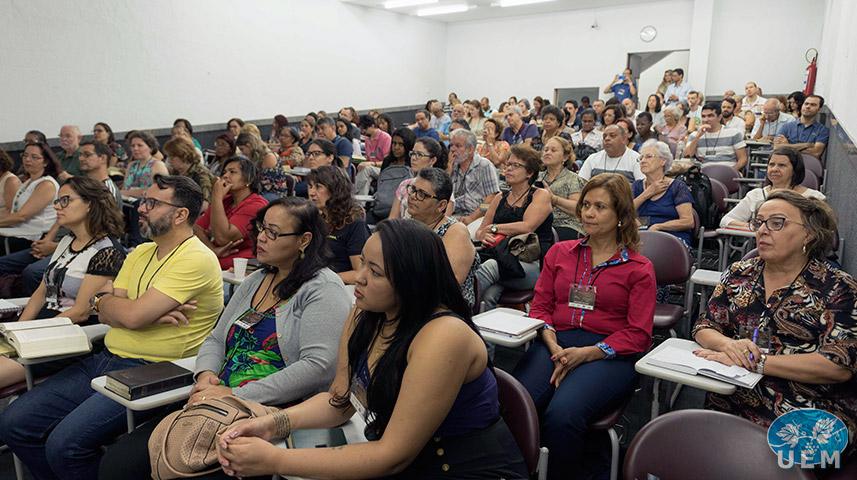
x: 302, y: 254
x: 619, y: 225
x: 804, y: 249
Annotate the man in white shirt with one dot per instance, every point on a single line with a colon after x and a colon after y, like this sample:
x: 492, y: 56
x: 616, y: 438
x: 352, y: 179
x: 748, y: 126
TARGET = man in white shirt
x: 678, y: 90
x: 769, y: 123
x: 588, y: 135
x: 615, y: 158
x: 630, y: 107
x: 752, y: 100
x: 728, y: 118
x: 714, y: 143
x: 694, y: 113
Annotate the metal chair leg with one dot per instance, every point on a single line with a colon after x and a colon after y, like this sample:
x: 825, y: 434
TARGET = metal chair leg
x: 614, y: 455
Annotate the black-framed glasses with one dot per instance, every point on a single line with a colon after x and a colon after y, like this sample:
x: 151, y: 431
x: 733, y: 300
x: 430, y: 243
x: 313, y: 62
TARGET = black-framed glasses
x: 415, y: 154
x: 271, y: 233
x: 30, y: 156
x: 514, y: 165
x: 150, y: 203
x: 314, y: 154
x: 64, y: 200
x: 774, y: 224
x: 419, y: 194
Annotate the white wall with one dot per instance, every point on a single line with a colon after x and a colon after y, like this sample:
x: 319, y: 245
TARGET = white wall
x: 762, y: 40
x: 837, y: 61
x: 652, y: 77
x: 557, y: 50
x: 140, y: 64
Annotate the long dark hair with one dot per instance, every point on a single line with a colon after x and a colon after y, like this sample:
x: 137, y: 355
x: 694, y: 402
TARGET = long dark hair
x: 52, y: 165
x: 408, y: 138
x: 104, y: 217
x: 340, y: 209
x: 408, y: 247
x: 307, y: 219
x: 436, y: 150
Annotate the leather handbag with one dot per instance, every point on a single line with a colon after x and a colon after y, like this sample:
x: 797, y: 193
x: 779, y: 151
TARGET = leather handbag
x: 184, y: 443
x: 526, y: 247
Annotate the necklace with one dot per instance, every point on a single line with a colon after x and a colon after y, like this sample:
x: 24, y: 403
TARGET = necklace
x: 146, y: 268
x: 512, y: 204
x: 437, y: 223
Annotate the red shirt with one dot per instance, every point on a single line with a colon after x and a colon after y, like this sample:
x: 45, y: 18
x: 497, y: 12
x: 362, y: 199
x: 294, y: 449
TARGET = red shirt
x: 242, y: 216
x: 625, y: 295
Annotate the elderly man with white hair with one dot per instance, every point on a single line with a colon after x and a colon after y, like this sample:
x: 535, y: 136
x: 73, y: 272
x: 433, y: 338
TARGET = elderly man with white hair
x: 475, y: 180
x: 69, y: 157
x: 518, y: 131
x: 663, y: 203
x: 769, y: 123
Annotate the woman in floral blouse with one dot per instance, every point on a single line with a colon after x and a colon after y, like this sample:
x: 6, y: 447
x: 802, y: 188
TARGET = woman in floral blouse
x: 799, y: 309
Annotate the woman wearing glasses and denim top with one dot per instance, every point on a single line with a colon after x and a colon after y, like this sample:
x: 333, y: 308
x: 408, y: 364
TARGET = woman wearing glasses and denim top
x: 787, y: 314
x: 330, y: 190
x: 30, y: 215
x: 83, y: 262
x: 427, y: 153
x: 523, y: 209
x: 276, y: 341
x: 226, y: 226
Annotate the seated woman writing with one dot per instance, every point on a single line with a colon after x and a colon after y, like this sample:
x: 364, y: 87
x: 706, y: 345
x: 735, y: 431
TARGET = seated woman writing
x: 787, y: 314
x: 83, y: 262
x: 597, y: 298
x: 416, y: 368
x: 294, y: 299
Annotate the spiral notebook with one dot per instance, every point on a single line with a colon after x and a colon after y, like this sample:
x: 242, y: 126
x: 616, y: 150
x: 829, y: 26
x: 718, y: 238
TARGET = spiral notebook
x: 8, y: 307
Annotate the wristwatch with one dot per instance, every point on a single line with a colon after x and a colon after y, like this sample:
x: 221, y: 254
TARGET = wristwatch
x: 760, y: 365
x: 493, y: 228
x: 94, y: 301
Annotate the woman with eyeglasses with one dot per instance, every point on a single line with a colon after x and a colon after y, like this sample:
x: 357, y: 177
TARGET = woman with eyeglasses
x: 226, y: 226
x: 785, y: 171
x: 83, y: 262
x: 143, y: 167
x: 321, y: 152
x: 290, y: 151
x: 276, y: 342
x: 564, y: 186
x: 662, y: 203
x: 427, y: 153
x: 787, y: 314
x: 330, y: 190
x: 102, y: 133
x: 30, y: 214
x: 523, y: 209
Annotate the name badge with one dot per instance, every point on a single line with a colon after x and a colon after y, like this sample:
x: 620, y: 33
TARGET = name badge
x: 582, y: 297
x: 357, y: 397
x: 249, y: 319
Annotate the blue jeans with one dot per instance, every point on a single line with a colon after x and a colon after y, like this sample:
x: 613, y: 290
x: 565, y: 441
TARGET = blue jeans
x: 491, y: 286
x: 587, y: 392
x: 29, y: 267
x: 58, y: 428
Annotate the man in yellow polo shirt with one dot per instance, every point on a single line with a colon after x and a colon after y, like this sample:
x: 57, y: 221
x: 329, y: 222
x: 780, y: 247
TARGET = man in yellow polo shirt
x: 163, y: 304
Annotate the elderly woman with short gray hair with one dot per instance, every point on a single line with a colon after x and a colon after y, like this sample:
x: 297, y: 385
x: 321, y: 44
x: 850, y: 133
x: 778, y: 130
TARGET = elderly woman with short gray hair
x: 662, y: 203
x: 674, y: 129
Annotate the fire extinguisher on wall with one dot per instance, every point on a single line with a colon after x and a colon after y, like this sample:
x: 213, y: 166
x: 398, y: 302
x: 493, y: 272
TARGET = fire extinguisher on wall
x: 811, y: 71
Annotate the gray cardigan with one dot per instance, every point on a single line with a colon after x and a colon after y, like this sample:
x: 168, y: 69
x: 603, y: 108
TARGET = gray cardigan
x: 308, y: 331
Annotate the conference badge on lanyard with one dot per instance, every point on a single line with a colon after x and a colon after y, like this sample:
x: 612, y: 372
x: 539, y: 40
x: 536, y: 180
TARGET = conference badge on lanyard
x: 582, y: 296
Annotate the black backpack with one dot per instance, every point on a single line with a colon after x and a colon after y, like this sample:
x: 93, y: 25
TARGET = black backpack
x: 385, y: 191
x: 703, y: 200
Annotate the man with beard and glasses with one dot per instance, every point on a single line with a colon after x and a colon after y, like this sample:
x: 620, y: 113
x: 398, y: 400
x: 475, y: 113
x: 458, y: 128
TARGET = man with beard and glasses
x: 162, y: 305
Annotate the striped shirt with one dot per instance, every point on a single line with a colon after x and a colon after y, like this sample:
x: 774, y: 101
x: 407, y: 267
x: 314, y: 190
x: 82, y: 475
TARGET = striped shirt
x: 470, y: 188
x: 719, y: 146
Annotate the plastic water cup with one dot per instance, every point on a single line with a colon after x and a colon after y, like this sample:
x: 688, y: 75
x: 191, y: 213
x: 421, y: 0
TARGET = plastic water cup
x: 239, y: 267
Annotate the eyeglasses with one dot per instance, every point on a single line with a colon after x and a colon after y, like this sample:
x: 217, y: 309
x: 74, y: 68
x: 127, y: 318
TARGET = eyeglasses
x: 513, y: 165
x: 150, y: 203
x: 271, y: 233
x: 88, y: 154
x: 419, y: 194
x: 774, y: 224
x: 314, y: 154
x: 64, y: 200
x: 415, y: 154
x: 29, y: 156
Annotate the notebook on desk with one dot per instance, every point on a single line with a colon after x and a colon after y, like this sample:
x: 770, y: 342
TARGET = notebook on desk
x: 508, y: 324
x: 685, y: 361
x: 8, y: 307
x: 45, y: 338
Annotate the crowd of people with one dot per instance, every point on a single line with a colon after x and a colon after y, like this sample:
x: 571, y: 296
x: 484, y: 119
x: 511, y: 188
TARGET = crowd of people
x: 136, y: 236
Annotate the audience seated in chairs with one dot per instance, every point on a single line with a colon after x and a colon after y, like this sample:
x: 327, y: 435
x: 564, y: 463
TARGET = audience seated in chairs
x: 493, y: 148
x: 224, y: 149
x: 299, y: 300
x: 427, y: 153
x: 583, y: 363
x: 787, y: 314
x: 475, y: 180
x: 273, y: 180
x: 712, y: 142
x: 564, y: 186
x: 9, y: 183
x: 31, y: 214
x: 234, y: 126
x: 290, y: 150
x: 346, y: 227
x: 523, y: 209
x: 227, y: 226
x: 399, y: 153
x: 140, y: 173
x: 806, y: 134
x: 320, y: 153
x: 394, y: 367
x: 163, y: 304
x: 83, y: 263
x: 662, y: 203
x: 785, y: 171
x: 185, y: 160
x: 615, y: 158
x: 673, y: 132
x: 69, y: 155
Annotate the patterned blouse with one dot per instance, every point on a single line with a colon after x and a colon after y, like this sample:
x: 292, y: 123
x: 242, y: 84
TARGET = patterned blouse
x: 139, y: 174
x: 816, y: 314
x: 468, y: 288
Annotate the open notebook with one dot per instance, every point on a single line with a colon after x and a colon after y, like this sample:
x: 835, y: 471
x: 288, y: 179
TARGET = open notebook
x: 685, y: 361
x: 45, y: 338
x: 8, y: 307
x: 508, y: 324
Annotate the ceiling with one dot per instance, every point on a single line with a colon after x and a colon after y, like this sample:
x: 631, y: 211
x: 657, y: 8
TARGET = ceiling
x: 485, y: 10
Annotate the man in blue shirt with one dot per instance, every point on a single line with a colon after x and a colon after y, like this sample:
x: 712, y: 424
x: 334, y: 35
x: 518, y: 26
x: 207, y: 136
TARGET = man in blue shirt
x: 439, y: 120
x: 423, y: 129
x: 518, y: 131
x: 344, y: 147
x: 678, y: 90
x: 806, y: 135
x: 622, y: 86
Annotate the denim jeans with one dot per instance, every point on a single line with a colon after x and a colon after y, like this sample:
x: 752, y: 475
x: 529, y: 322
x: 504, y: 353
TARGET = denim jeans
x: 588, y: 391
x: 58, y: 428
x: 29, y: 267
x: 491, y: 287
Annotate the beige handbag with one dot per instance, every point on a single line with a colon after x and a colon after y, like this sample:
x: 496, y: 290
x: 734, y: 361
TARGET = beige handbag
x: 526, y: 247
x: 184, y: 444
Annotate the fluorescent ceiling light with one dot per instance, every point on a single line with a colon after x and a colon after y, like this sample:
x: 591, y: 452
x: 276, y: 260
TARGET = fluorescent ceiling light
x: 407, y: 3
x: 515, y: 3
x: 442, y: 10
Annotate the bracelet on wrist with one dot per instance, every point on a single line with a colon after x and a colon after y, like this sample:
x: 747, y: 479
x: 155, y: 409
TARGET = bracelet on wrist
x: 282, y: 424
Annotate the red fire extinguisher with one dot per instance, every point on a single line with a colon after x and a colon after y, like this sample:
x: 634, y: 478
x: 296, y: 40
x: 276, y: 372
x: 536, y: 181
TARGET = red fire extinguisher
x: 811, y: 71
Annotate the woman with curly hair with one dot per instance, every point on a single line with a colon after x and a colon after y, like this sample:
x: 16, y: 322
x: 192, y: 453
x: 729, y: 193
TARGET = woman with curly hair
x: 330, y: 190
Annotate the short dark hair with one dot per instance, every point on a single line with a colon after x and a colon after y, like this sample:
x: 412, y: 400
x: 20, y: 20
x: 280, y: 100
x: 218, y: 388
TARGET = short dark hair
x: 584, y: 98
x: 38, y: 133
x: 248, y: 171
x: 186, y: 123
x: 146, y: 137
x: 236, y: 120
x: 819, y: 97
x: 366, y: 121
x: 461, y: 124
x: 101, y: 149
x: 436, y: 150
x: 646, y: 115
x: 498, y: 127
x: 730, y: 101
x: 679, y: 71
x: 796, y: 159
x: 532, y: 160
x: 440, y: 181
x: 424, y: 112
x: 571, y: 101
x: 555, y: 111
x: 229, y: 139
x: 326, y: 121
x: 590, y: 112
x: 293, y: 132
x: 186, y: 193
x: 712, y: 106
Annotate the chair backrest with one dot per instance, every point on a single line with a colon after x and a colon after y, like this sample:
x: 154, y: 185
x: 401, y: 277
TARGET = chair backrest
x: 722, y: 172
x: 519, y: 413
x: 668, y: 255
x: 810, y: 181
x: 719, y: 192
x: 812, y: 164
x: 704, y: 445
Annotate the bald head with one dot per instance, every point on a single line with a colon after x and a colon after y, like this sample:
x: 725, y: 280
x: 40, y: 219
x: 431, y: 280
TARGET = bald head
x: 70, y: 138
x: 771, y: 109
